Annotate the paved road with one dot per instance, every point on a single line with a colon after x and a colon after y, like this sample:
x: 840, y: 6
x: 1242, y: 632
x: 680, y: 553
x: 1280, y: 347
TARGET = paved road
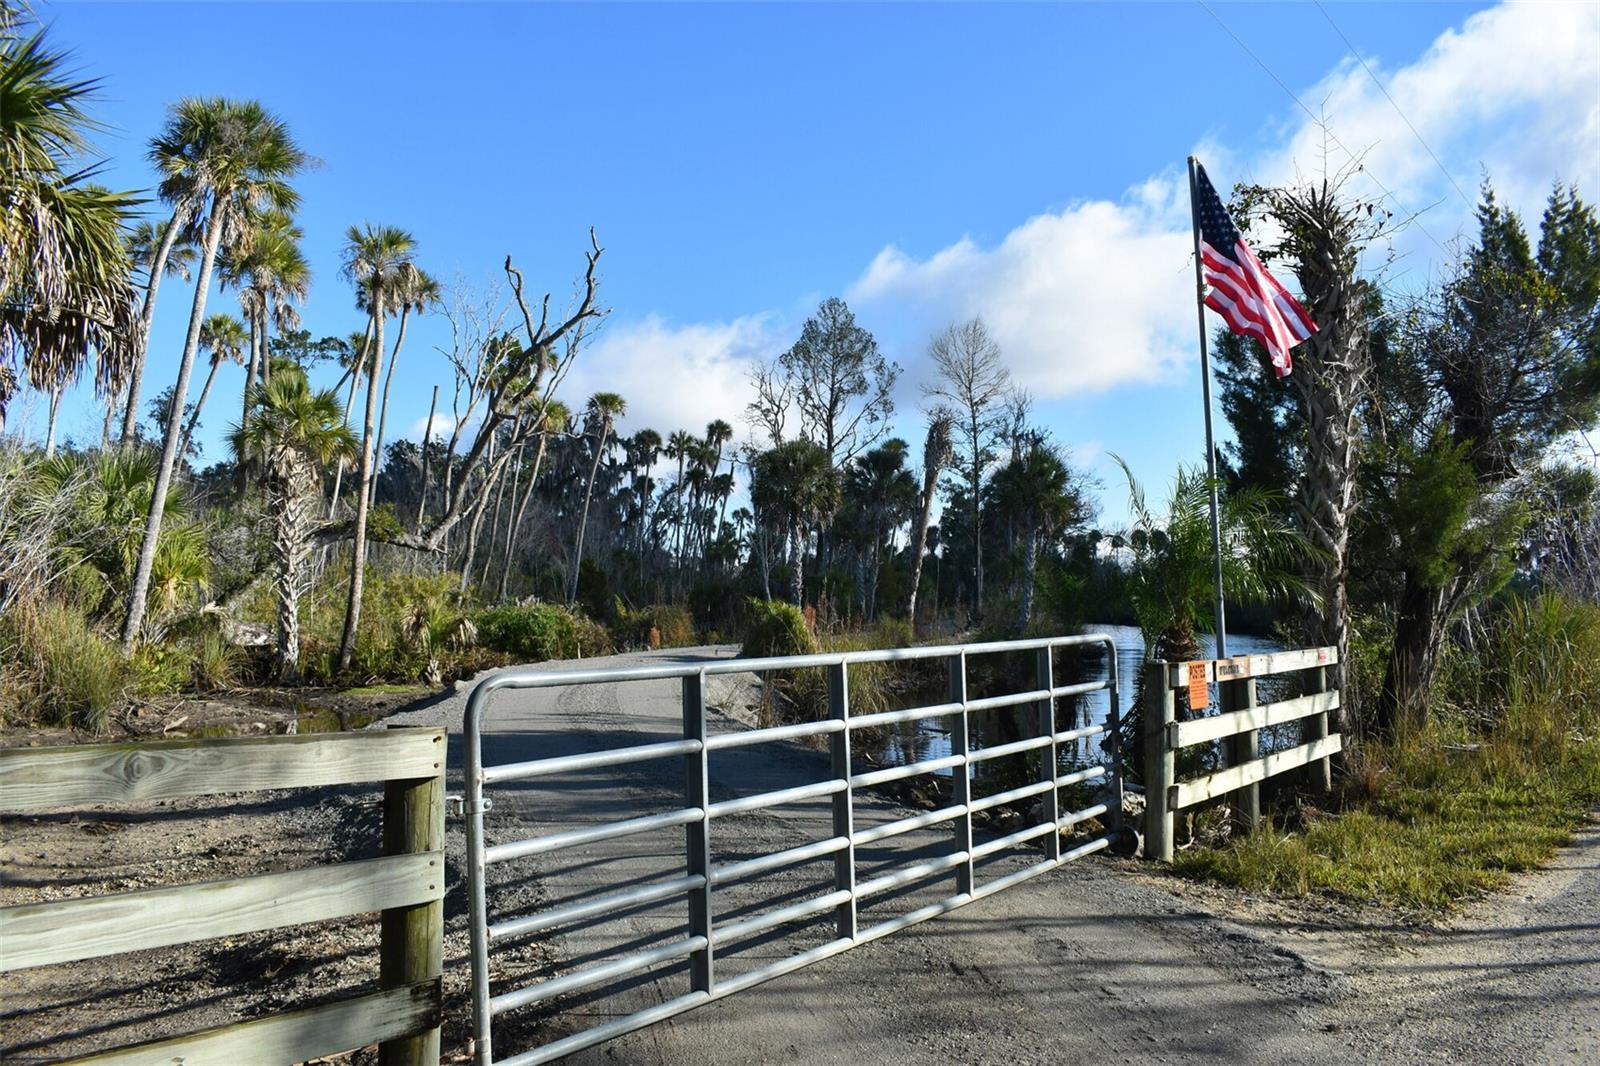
x: 1089, y: 963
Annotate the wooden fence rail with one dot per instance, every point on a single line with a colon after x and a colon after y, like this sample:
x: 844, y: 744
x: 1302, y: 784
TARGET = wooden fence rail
x: 405, y: 885
x: 1237, y: 728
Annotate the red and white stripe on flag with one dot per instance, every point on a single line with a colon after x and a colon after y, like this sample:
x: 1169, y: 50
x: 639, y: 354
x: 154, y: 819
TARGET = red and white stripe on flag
x: 1253, y: 302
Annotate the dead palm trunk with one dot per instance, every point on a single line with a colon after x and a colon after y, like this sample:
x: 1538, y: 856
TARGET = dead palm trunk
x: 147, y: 313
x: 583, y: 522
x: 358, y: 561
x: 427, y: 439
x: 140, y: 590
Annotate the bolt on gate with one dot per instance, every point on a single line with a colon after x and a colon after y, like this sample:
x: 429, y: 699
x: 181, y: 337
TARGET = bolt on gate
x: 704, y: 876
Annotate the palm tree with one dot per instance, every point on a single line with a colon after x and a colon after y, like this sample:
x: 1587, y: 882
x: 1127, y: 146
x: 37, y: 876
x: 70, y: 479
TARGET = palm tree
x: 416, y: 292
x: 603, y: 409
x: 936, y: 453
x: 1035, y: 490
x: 882, y: 493
x: 292, y: 433
x: 271, y: 274
x: 236, y: 157
x: 376, y: 259
x: 679, y: 444
x: 109, y: 495
x: 225, y: 338
x: 66, y: 293
x: 1171, y: 575
x: 796, y: 484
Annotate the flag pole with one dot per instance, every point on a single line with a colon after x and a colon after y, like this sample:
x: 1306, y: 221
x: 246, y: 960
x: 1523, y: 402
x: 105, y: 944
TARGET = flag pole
x: 1205, y: 389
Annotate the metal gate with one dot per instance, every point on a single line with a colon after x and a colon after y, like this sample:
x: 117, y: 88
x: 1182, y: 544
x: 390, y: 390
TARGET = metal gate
x: 703, y: 875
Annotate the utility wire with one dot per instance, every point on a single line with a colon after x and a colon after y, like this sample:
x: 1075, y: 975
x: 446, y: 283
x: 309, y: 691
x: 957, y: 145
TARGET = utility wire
x: 1425, y: 147
x: 1412, y: 216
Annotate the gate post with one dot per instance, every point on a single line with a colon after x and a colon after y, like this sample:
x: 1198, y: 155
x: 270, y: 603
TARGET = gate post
x: 1050, y: 802
x: 844, y: 821
x: 960, y: 776
x: 1243, y: 748
x: 1159, y: 762
x: 697, y: 835
x: 411, y: 939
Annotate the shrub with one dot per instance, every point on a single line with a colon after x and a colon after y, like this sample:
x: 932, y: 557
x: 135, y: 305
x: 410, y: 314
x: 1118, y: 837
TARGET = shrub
x: 674, y: 626
x: 775, y: 628
x: 217, y: 664
x: 69, y: 673
x: 533, y: 633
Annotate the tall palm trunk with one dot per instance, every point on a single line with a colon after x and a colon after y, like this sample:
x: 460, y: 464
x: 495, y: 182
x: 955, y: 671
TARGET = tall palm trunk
x: 388, y: 380
x: 147, y: 314
x: 516, y: 524
x: 355, y: 379
x: 358, y: 560
x: 1030, y: 576
x: 140, y: 590
x: 930, y: 481
x: 583, y: 522
x: 293, y: 497
x: 199, y: 405
x: 797, y: 563
x: 55, y: 410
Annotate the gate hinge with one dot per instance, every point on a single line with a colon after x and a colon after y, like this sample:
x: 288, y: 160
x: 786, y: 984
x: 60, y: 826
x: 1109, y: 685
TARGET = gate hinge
x: 456, y: 806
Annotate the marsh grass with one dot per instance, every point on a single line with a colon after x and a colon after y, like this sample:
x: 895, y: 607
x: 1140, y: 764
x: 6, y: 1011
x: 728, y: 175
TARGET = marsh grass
x: 1508, y: 767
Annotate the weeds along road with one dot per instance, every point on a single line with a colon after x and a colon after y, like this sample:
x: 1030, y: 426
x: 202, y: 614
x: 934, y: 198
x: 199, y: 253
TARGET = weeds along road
x: 1090, y: 963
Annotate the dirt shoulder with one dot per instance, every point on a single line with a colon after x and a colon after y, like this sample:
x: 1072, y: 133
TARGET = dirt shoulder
x: 1513, y: 978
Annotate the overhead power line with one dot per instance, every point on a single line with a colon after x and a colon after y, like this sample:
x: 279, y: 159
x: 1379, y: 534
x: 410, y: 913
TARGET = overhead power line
x: 1465, y: 199
x: 1411, y: 216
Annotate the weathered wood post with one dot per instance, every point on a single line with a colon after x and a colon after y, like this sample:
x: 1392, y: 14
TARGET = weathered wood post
x: 1160, y: 763
x: 1319, y: 773
x: 411, y: 944
x: 1242, y: 748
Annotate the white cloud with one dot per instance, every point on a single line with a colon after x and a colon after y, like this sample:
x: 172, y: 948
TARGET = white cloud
x: 1099, y: 294
x: 674, y: 376
x: 1095, y: 296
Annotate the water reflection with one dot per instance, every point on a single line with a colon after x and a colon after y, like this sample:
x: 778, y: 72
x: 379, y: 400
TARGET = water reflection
x: 930, y: 738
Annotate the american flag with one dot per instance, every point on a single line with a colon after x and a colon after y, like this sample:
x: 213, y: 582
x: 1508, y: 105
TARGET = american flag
x: 1239, y: 288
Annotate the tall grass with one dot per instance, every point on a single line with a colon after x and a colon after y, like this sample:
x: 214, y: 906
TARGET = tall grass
x: 1507, y: 766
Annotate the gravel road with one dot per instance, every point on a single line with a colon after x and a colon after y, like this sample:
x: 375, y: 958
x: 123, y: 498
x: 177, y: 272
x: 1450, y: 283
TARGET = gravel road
x: 1098, y: 961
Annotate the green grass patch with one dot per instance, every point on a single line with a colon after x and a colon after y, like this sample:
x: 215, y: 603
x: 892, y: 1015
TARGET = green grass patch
x: 1431, y: 828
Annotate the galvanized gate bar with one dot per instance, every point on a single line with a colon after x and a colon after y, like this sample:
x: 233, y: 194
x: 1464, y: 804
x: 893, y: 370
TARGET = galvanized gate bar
x: 703, y: 935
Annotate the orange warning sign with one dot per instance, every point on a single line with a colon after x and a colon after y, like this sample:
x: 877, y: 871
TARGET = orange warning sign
x: 1199, y: 694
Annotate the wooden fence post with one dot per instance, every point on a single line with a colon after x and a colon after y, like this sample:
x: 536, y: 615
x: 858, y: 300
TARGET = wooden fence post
x: 411, y: 945
x: 1160, y: 762
x: 1243, y: 748
x: 1319, y: 773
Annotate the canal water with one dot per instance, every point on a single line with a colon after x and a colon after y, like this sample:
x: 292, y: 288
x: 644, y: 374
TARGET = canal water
x: 930, y: 739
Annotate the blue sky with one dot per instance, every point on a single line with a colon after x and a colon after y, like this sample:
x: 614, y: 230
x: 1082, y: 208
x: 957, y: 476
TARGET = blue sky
x: 926, y: 162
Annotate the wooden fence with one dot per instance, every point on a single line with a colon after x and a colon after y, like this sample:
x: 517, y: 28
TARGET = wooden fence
x: 405, y: 884
x: 1237, y: 727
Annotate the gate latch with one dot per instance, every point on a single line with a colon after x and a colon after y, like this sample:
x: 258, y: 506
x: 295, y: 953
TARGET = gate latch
x: 456, y: 806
